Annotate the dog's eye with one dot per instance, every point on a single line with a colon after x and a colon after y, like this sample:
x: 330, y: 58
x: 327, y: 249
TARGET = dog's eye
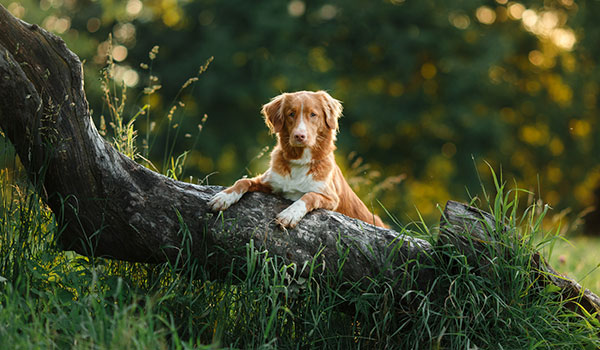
x: 291, y: 115
x: 312, y: 115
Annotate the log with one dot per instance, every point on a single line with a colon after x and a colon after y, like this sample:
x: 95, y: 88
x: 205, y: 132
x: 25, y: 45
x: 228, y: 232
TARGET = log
x: 111, y: 206
x: 481, y: 237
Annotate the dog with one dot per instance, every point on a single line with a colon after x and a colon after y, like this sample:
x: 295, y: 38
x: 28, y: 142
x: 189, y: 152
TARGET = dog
x: 302, y: 166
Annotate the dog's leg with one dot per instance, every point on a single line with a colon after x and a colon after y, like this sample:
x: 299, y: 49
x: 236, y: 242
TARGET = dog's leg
x: 231, y: 195
x: 291, y: 216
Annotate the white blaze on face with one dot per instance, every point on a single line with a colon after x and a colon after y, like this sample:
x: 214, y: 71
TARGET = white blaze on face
x: 301, y: 128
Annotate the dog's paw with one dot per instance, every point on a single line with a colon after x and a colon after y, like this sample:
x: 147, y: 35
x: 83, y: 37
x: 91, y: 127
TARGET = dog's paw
x: 291, y: 216
x: 223, y: 200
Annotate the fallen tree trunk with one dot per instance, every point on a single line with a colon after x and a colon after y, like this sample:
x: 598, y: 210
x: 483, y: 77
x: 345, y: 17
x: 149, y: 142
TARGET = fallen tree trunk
x: 480, y: 237
x: 111, y: 206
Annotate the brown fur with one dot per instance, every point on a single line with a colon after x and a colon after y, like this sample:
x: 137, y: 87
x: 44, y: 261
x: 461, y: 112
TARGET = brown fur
x: 308, y: 120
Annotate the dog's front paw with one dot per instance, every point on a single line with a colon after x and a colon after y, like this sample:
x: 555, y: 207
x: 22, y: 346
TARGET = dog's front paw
x: 223, y: 200
x: 291, y: 216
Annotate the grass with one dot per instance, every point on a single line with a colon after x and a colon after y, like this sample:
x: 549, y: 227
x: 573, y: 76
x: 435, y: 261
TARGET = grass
x: 577, y: 257
x: 51, y: 299
x: 55, y: 299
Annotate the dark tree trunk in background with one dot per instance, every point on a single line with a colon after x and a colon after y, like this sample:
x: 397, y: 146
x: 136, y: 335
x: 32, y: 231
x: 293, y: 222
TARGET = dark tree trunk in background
x: 113, y: 207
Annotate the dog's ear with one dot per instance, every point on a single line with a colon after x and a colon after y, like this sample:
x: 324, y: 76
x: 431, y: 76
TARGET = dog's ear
x: 273, y: 113
x: 333, y: 109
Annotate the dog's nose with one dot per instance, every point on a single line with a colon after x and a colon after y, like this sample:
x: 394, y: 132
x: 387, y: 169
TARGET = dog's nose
x: 300, y: 137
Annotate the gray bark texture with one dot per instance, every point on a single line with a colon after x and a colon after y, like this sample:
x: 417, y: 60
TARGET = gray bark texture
x: 113, y: 207
x: 116, y: 208
x: 476, y: 234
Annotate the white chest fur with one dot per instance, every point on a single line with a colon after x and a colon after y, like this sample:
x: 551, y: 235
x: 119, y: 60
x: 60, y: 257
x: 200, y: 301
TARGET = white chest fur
x: 298, y: 182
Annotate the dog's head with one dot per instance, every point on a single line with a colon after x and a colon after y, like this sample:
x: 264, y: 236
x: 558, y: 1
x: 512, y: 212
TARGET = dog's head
x: 300, y: 118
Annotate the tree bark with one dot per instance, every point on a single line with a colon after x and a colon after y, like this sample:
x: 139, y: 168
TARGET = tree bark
x: 111, y: 206
x: 479, y: 236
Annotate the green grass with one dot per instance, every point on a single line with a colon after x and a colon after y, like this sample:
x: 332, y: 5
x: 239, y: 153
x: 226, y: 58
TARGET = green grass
x: 578, y: 258
x: 55, y: 299
x: 51, y: 299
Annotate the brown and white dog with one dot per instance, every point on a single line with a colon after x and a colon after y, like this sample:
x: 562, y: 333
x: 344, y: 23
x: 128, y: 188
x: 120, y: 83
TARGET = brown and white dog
x: 302, y: 166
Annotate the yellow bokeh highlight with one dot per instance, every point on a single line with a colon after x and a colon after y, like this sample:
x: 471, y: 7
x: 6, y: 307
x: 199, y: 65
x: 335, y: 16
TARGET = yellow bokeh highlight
x: 556, y: 146
x: 439, y: 168
x: 584, y: 191
x: 515, y: 10
x: 559, y: 92
x: 496, y: 74
x: 485, y: 15
x: 16, y: 9
x: 318, y: 60
x: 155, y: 100
x: 428, y: 70
x: 227, y: 160
x: 579, y: 127
x: 376, y: 85
x: 171, y: 17
x: 535, y: 135
x: 554, y: 173
x: 519, y: 159
x: 280, y: 83
x: 536, y: 57
x: 425, y: 195
x: 432, y: 188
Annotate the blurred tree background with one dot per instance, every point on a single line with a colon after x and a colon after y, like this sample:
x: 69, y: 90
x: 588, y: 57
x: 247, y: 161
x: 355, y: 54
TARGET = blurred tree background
x: 427, y: 86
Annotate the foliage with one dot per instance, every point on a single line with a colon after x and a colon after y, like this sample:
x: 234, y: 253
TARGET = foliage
x: 426, y: 84
x: 401, y: 83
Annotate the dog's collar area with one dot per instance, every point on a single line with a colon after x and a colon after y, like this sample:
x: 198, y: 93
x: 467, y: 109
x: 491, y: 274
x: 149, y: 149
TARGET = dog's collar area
x: 305, y: 159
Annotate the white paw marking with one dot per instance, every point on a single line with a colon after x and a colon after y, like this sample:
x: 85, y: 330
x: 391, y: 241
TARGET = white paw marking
x: 224, y: 200
x: 291, y: 216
